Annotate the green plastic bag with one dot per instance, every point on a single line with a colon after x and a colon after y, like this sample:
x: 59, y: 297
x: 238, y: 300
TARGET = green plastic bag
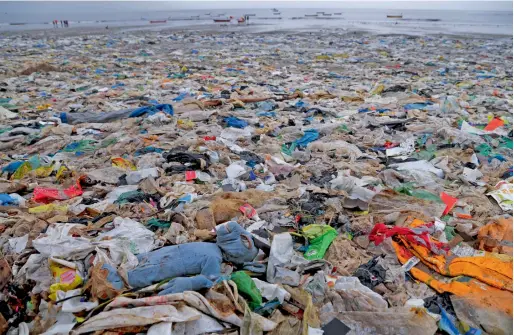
x: 320, y: 237
x: 156, y: 223
x: 408, y: 189
x: 247, y: 288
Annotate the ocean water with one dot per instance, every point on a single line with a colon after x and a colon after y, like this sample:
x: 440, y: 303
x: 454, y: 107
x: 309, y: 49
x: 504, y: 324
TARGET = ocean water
x: 38, y: 15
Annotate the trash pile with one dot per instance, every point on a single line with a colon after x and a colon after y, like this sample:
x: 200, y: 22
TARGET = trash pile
x: 289, y: 183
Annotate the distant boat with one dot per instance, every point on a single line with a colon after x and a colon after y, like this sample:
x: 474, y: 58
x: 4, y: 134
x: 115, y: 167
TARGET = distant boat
x: 158, y: 21
x: 249, y: 14
x: 395, y: 16
x: 311, y: 15
x: 338, y: 13
x: 320, y: 12
x: 223, y: 20
x: 276, y: 13
x: 275, y: 10
x: 327, y: 14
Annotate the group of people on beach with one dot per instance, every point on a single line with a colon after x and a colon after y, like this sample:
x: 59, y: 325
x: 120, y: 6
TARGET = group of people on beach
x: 64, y: 23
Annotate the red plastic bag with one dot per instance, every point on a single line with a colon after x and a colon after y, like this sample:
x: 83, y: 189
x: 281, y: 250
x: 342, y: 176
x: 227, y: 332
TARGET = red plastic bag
x: 46, y: 195
x: 190, y: 175
x: 248, y: 211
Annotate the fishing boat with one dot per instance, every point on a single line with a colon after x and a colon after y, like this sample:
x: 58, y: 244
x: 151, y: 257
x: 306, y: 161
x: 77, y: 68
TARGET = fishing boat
x: 158, y: 21
x: 395, y: 16
x: 276, y: 13
x: 225, y: 20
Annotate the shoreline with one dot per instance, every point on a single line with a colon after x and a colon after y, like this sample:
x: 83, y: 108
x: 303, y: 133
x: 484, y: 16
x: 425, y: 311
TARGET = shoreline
x: 253, y: 28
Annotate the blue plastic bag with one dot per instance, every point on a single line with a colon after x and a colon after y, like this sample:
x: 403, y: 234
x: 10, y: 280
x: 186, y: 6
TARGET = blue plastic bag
x: 309, y: 136
x: 448, y: 323
x: 6, y: 199
x: 150, y: 110
x: 235, y: 122
x: 422, y: 105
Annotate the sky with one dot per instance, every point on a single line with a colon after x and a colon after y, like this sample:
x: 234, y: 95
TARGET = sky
x: 488, y: 5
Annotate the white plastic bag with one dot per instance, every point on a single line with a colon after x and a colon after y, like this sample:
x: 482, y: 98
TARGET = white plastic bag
x: 280, y: 254
x: 271, y: 291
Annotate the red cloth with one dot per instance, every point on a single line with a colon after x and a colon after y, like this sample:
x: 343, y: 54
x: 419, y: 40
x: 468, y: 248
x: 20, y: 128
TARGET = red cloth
x: 380, y: 232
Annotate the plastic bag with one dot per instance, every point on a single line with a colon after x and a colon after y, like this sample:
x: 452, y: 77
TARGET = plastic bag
x: 66, y: 278
x: 319, y: 243
x: 247, y: 288
x: 271, y: 291
x: 280, y: 254
x: 235, y: 122
x: 46, y: 195
x: 356, y: 294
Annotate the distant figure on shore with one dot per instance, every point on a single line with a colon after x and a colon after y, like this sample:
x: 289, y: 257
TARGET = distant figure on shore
x: 61, y: 24
x: 67, y: 23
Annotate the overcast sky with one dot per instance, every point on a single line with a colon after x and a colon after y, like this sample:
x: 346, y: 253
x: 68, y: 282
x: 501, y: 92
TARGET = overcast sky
x: 213, y: 4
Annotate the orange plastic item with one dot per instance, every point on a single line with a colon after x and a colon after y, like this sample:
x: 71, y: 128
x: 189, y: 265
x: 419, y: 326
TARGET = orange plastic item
x: 495, y: 123
x: 449, y: 201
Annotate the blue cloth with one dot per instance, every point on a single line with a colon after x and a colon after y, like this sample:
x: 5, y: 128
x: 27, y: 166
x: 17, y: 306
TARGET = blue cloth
x: 177, y: 261
x: 236, y: 243
x: 150, y: 110
x: 235, y: 122
x: 182, y: 284
x: 201, y: 260
x: 254, y: 267
x: 309, y: 136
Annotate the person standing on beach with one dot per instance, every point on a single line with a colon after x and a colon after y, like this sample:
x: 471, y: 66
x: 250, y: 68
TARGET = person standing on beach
x: 61, y: 24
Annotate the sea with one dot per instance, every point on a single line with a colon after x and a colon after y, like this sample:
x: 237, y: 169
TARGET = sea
x: 139, y: 15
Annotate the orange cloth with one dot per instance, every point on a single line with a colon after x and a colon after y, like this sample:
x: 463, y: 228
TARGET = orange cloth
x: 496, y: 237
x: 484, y: 276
